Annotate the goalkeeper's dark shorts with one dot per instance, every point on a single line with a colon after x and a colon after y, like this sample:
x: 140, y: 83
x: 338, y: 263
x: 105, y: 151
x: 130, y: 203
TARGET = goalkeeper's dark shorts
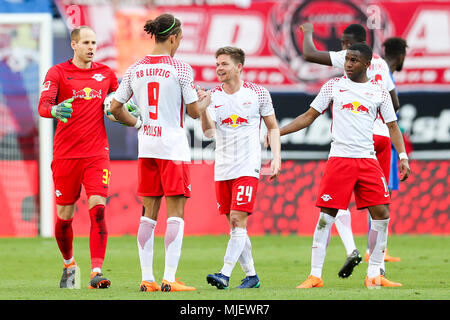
x: 70, y: 174
x: 160, y: 177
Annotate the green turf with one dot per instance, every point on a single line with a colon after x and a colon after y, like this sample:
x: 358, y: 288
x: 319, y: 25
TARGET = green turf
x: 31, y: 269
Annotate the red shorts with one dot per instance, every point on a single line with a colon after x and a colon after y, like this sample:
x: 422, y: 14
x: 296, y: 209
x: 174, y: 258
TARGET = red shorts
x: 382, y: 147
x: 342, y: 176
x: 237, y: 194
x: 160, y: 177
x: 69, y: 174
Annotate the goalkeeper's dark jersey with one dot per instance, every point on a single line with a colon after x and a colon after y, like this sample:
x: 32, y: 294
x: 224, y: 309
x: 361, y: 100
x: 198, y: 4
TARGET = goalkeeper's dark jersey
x: 84, y: 135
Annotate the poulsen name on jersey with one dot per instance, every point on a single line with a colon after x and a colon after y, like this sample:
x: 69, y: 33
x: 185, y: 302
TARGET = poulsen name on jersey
x: 154, y: 131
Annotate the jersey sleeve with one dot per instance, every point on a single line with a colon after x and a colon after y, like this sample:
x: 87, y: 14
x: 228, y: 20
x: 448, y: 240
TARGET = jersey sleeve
x: 323, y: 99
x: 211, y: 110
x: 386, y: 108
x: 114, y: 83
x: 186, y: 78
x: 338, y: 58
x: 265, y: 103
x: 387, y: 75
x: 124, y: 91
x: 49, y: 93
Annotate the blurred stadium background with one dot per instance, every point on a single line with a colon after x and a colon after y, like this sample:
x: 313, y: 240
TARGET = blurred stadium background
x: 268, y: 32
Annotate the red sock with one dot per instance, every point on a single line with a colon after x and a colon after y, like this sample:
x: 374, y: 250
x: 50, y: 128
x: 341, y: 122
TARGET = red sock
x: 64, y: 237
x: 98, y: 235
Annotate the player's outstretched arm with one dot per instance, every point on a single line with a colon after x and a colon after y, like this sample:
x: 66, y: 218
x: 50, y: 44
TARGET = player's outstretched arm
x: 123, y: 115
x: 273, y: 139
x: 399, y: 145
x: 302, y: 121
x: 310, y: 53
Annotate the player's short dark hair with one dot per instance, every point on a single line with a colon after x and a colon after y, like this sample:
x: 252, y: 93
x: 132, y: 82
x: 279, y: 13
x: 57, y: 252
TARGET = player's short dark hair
x: 394, y: 46
x: 365, y: 50
x: 75, y: 34
x: 357, y: 31
x: 237, y: 54
x: 162, y: 27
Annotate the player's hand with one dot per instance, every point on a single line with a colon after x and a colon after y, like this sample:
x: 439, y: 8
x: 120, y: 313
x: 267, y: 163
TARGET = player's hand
x: 63, y: 111
x: 133, y: 109
x: 307, y: 27
x: 203, y: 94
x: 275, y: 168
x: 405, y: 171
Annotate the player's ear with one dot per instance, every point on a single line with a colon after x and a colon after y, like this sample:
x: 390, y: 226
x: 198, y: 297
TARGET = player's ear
x: 240, y: 67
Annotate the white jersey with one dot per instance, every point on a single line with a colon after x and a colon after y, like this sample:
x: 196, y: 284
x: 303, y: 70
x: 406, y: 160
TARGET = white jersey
x: 162, y: 87
x: 378, y: 71
x: 238, y: 119
x: 354, y: 108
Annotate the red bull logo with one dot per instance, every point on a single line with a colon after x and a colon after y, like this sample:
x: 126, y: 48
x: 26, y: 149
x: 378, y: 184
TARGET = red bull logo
x: 87, y: 93
x: 234, y: 121
x: 356, y: 107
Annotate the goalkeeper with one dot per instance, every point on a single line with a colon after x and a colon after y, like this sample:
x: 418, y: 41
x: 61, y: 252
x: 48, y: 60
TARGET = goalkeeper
x: 73, y: 93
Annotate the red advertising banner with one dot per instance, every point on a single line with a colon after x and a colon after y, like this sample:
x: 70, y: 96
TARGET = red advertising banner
x: 268, y: 31
x: 284, y: 206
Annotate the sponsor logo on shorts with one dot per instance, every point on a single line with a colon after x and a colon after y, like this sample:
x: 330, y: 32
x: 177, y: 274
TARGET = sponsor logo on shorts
x: 58, y: 193
x: 189, y: 187
x: 241, y: 203
x: 326, y: 197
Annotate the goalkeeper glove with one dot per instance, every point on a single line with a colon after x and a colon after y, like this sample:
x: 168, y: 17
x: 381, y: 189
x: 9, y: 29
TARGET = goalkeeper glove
x: 63, y: 111
x: 133, y: 109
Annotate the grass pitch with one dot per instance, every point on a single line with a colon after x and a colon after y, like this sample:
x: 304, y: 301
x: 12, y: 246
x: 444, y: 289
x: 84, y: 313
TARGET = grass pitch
x: 31, y: 269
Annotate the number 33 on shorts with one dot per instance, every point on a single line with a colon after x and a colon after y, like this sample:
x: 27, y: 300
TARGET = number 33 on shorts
x: 106, y: 176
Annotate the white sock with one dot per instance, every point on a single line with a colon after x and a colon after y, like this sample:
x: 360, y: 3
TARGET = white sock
x: 236, y: 244
x: 320, y: 243
x: 173, y: 241
x: 343, y: 224
x: 246, y: 259
x: 377, y: 245
x: 145, y: 240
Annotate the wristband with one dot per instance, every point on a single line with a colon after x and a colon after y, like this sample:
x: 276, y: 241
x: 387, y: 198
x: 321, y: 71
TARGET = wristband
x: 138, y: 123
x: 403, y: 156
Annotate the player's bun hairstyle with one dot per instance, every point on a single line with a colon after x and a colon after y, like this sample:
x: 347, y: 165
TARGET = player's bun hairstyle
x: 365, y: 50
x: 357, y: 31
x: 163, y: 27
x: 236, y: 54
x: 394, y: 46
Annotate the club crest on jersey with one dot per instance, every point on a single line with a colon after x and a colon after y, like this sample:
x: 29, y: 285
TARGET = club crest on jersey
x: 234, y: 121
x: 87, y: 93
x: 98, y: 76
x: 355, y: 107
x: 46, y: 85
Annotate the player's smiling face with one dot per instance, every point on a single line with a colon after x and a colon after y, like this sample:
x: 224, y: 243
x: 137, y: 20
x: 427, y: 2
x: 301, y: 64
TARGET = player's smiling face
x: 355, y: 65
x: 86, y: 46
x: 227, y: 69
